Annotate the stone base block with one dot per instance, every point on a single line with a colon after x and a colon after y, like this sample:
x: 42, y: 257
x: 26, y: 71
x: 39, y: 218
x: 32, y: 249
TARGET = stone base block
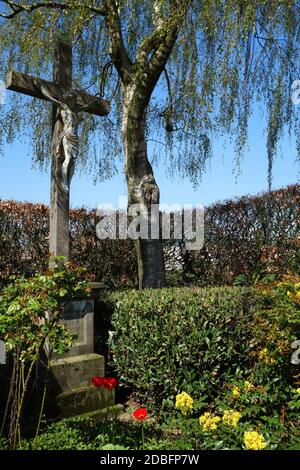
x: 70, y: 373
x: 71, y: 388
x: 84, y: 400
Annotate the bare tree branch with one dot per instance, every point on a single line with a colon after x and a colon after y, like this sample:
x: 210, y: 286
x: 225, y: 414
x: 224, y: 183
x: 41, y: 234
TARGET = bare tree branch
x: 161, y: 42
x: 17, y: 8
x: 153, y: 40
x: 104, y: 74
x: 118, y: 51
x: 171, y: 27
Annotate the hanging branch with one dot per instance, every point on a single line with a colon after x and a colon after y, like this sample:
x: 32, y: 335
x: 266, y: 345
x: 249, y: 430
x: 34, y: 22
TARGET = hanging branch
x: 105, y: 71
x: 168, y: 111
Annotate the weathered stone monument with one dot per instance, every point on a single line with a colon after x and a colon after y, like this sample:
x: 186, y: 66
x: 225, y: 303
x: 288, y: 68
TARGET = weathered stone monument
x: 72, y: 373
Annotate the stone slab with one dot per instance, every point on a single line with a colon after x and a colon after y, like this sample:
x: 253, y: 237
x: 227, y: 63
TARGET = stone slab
x: 96, y: 285
x: 84, y: 400
x: 78, y: 317
x: 69, y: 373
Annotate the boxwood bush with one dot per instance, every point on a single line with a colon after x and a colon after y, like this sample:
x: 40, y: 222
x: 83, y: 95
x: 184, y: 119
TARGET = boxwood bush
x: 194, y: 339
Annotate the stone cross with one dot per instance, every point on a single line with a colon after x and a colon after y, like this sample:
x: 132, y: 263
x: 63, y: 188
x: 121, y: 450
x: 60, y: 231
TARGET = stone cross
x: 67, y: 102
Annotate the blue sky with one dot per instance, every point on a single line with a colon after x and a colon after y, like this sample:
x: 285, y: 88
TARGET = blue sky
x: 19, y: 181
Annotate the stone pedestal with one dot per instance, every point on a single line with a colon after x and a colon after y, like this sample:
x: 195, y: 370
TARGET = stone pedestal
x: 71, y: 375
x: 79, y: 319
x: 77, y: 371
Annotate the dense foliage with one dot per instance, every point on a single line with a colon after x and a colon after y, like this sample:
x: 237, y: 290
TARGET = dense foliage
x: 30, y: 310
x: 249, y: 238
x: 245, y: 240
x: 202, y: 339
x: 24, y: 245
x: 174, y: 338
x: 227, y: 55
x: 218, y: 369
x: 219, y: 362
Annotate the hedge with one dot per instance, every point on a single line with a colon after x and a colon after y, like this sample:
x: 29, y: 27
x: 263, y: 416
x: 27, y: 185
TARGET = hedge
x: 244, y: 239
x: 167, y: 340
x: 24, y: 230
x: 203, y: 340
x: 248, y: 238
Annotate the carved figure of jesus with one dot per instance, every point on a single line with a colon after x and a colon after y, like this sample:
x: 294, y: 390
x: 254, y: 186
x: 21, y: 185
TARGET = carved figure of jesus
x: 68, y: 138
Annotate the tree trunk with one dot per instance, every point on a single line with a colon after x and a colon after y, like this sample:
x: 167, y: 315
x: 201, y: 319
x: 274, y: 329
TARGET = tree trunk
x: 142, y: 187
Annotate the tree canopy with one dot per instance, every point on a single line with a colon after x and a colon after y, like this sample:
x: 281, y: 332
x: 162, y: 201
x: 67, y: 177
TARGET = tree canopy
x: 228, y: 55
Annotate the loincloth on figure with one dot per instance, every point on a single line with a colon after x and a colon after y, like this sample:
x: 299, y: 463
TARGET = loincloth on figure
x: 72, y: 140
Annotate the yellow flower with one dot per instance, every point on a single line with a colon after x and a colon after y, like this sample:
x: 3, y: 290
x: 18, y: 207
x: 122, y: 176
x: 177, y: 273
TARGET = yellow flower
x: 298, y: 390
x: 235, y: 391
x: 254, y: 441
x: 231, y: 418
x: 265, y: 356
x: 204, y: 417
x: 184, y: 402
x: 209, y: 422
x: 263, y: 353
x: 248, y: 386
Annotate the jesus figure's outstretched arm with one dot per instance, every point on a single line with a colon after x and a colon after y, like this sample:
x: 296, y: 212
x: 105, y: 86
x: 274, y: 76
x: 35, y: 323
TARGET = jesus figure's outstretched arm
x: 48, y: 94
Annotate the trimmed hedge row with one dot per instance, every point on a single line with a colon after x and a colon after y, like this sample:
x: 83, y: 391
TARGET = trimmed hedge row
x: 248, y: 238
x: 174, y: 339
x: 244, y: 240
x: 204, y: 340
x: 24, y: 230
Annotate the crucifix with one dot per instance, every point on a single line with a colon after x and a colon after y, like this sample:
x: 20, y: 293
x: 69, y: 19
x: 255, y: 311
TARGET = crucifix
x: 67, y: 103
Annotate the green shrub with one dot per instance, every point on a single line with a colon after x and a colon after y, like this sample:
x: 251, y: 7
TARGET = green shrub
x: 168, y: 339
x: 208, y: 342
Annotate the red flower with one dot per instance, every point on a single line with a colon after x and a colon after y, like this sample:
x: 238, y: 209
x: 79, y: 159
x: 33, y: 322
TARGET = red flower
x: 140, y: 414
x: 110, y: 383
x: 98, y: 381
